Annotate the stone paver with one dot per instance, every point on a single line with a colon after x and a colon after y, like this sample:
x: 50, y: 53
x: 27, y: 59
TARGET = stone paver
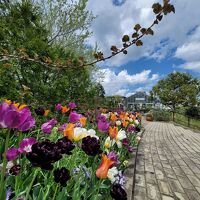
x: 168, y: 163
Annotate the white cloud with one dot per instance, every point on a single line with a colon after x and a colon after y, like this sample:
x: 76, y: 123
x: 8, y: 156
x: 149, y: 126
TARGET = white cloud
x: 115, y: 21
x: 190, y: 52
x: 123, y: 83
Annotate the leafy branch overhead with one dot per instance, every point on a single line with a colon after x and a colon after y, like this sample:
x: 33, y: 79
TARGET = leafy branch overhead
x: 135, y: 39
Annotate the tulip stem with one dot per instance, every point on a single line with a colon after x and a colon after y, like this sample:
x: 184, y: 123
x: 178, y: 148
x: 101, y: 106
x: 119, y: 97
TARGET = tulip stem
x: 31, y: 184
x: 4, y: 167
x: 54, y: 196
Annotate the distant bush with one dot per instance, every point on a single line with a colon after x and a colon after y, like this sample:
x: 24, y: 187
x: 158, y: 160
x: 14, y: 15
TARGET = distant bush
x: 193, y: 112
x: 161, y: 115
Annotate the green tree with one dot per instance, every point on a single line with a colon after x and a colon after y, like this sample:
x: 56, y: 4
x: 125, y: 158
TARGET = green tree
x: 177, y: 89
x: 23, y: 29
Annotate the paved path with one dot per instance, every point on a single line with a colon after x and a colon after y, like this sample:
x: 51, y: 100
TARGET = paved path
x: 168, y: 164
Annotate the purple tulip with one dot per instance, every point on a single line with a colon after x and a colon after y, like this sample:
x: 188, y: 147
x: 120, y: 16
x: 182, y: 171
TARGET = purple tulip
x: 74, y: 117
x: 113, y: 156
x: 11, y: 117
x: 26, y: 145
x: 58, y: 106
x: 101, y: 118
x: 12, y: 153
x: 72, y: 105
x: 62, y: 127
x: 131, y: 149
x: 103, y: 126
x: 48, y: 126
x: 131, y: 129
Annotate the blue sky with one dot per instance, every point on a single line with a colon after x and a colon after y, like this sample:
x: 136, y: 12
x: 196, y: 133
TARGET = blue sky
x: 174, y: 47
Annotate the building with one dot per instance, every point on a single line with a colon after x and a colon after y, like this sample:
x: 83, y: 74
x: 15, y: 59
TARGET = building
x: 137, y: 101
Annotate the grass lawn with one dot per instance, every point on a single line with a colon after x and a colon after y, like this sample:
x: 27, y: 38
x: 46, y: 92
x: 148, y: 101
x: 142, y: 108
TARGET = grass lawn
x: 191, y: 122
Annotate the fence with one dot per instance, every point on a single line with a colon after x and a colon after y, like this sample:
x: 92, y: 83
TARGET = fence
x: 186, y: 120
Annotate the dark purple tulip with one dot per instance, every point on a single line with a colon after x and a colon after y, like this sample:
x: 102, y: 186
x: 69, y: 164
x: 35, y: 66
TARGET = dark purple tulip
x: 103, y: 126
x: 65, y: 145
x: 48, y: 126
x: 125, y: 142
x: 72, y: 105
x: 74, y: 117
x: 40, y: 111
x: 91, y: 146
x: 15, y: 170
x: 118, y: 193
x: 12, y: 153
x: 44, y: 154
x: 26, y: 145
x: 61, y: 176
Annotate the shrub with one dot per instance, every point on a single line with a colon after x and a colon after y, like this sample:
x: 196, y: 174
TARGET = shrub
x: 192, y: 112
x: 161, y: 115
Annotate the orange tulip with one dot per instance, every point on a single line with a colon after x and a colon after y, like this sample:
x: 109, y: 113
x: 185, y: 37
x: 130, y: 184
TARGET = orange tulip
x: 83, y: 121
x: 122, y: 115
x: 65, y: 109
x: 113, y: 132
x: 69, y: 131
x: 125, y: 123
x: 8, y: 101
x: 46, y: 112
x: 19, y: 107
x: 113, y: 117
x: 103, y: 168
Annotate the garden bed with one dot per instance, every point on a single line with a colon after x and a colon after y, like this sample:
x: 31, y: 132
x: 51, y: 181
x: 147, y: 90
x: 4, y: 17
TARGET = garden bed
x: 61, y: 153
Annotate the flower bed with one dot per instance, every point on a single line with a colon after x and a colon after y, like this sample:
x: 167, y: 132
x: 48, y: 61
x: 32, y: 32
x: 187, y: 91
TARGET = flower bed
x: 64, y: 154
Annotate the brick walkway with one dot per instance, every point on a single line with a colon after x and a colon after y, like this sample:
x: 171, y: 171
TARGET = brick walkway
x: 168, y: 164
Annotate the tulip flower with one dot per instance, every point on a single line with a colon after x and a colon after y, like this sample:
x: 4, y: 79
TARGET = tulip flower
x: 58, y: 106
x: 26, y: 145
x: 69, y: 131
x: 48, y: 126
x: 109, y: 142
x: 12, y: 153
x: 103, y: 168
x: 16, y: 116
x: 74, y: 117
x: 103, y: 126
x: 79, y: 133
x: 46, y: 113
x: 113, y: 131
x: 65, y: 109
x: 72, y: 105
x: 83, y: 121
x: 113, y: 117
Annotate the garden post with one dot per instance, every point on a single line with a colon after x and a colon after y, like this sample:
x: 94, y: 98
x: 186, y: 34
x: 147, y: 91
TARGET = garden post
x: 188, y: 121
x: 173, y: 113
